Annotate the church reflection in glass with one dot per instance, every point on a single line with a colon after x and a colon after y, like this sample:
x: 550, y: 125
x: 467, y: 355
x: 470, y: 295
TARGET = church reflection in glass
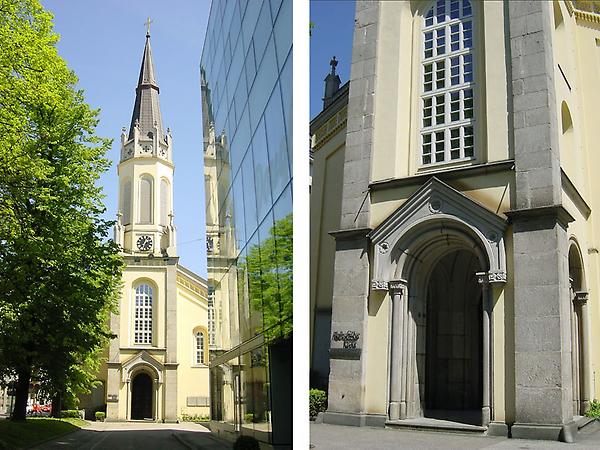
x: 246, y: 87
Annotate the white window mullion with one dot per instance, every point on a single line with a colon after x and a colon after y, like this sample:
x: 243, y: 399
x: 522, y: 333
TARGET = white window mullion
x: 447, y: 48
x: 143, y: 315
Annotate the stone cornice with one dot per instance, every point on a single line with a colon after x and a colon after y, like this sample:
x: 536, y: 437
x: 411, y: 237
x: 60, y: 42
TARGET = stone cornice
x: 558, y: 211
x: 340, y: 101
x: 445, y: 174
x: 580, y: 14
x: 350, y: 234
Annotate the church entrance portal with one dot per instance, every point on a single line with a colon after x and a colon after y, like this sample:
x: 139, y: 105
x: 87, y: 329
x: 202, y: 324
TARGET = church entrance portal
x: 454, y: 341
x: 141, y: 397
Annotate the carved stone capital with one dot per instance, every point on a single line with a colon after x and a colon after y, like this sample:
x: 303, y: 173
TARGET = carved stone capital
x: 581, y: 297
x: 396, y: 286
x: 379, y: 285
x: 494, y: 276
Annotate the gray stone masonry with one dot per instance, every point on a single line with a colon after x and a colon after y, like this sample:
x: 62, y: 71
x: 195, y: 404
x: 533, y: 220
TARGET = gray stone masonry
x: 351, y: 269
x: 537, y: 163
x: 349, y: 313
x: 359, y: 137
x: 171, y: 330
x: 543, y: 408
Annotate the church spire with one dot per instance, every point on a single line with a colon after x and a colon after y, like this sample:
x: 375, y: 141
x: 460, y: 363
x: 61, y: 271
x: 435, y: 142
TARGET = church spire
x: 146, y: 110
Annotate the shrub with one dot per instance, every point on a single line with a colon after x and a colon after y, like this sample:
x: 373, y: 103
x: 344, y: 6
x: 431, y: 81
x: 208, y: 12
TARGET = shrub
x: 594, y: 410
x: 317, y: 402
x: 194, y: 418
x: 100, y: 416
x: 246, y: 443
x: 72, y: 413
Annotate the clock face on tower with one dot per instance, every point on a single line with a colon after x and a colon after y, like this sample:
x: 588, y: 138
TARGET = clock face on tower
x: 144, y: 243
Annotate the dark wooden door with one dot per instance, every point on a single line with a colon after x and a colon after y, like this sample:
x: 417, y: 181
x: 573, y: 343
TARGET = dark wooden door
x: 141, y: 397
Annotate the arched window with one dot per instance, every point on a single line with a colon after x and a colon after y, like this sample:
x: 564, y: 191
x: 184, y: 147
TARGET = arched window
x: 566, y: 119
x: 164, y: 202
x: 447, y: 83
x: 146, y: 199
x: 199, y: 348
x: 126, y: 203
x: 143, y: 315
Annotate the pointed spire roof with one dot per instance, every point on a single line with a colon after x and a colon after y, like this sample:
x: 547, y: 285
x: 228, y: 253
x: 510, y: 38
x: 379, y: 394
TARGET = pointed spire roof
x: 146, y: 110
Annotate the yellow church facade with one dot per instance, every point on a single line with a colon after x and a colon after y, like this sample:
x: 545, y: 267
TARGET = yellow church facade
x: 454, y: 250
x: 157, y: 366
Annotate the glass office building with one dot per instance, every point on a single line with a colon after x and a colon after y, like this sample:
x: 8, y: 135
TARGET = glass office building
x: 246, y: 81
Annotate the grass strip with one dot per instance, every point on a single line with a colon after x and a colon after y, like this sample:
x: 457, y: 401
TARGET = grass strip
x: 19, y: 435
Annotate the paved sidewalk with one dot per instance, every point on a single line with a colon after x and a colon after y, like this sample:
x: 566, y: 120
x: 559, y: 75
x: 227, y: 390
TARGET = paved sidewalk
x: 137, y: 435
x: 336, y: 437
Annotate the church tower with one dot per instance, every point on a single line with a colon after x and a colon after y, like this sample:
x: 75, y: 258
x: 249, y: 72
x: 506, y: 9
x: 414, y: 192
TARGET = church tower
x: 145, y: 218
x: 157, y: 366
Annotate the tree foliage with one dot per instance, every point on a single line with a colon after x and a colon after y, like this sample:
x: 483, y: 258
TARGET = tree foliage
x: 59, y: 276
x: 269, y: 269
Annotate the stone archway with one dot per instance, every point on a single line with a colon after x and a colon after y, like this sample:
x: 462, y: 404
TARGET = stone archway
x: 435, y: 223
x: 419, y: 353
x: 579, y: 326
x: 142, y: 396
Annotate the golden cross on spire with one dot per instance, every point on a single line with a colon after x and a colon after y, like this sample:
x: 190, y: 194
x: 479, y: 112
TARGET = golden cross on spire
x: 147, y: 23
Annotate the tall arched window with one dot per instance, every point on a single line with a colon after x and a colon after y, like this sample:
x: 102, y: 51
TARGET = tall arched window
x: 199, y: 353
x: 164, y: 202
x: 126, y: 203
x: 146, y: 199
x: 143, y: 315
x: 447, y: 83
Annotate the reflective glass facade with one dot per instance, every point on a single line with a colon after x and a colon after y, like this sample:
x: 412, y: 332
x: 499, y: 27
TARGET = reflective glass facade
x: 246, y: 77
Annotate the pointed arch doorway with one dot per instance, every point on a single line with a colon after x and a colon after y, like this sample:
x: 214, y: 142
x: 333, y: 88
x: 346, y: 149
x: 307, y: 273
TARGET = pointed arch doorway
x: 141, y: 397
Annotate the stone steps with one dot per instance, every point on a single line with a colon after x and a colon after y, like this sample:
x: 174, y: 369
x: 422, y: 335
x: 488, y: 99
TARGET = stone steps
x: 427, y: 424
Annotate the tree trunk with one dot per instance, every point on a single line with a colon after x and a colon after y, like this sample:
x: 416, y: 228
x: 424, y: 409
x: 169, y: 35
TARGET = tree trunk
x: 56, y: 405
x: 21, y: 395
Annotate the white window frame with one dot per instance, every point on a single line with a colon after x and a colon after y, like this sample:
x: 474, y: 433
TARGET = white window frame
x: 199, y: 348
x: 459, y: 132
x: 143, y: 314
x: 211, y: 319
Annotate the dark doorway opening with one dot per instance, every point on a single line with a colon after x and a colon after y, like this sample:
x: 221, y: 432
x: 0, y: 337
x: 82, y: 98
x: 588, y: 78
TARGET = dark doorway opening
x: 454, y: 344
x: 141, y: 397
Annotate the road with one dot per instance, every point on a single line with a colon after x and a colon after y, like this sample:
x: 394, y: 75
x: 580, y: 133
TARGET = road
x: 134, y: 436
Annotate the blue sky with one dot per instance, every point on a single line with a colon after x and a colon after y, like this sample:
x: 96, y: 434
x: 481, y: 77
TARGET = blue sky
x: 103, y: 41
x: 331, y: 36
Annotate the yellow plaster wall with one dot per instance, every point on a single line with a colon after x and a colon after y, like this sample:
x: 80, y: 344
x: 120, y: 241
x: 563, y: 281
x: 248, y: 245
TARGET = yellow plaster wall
x: 397, y: 106
x: 192, y: 379
x: 377, y: 349
x: 576, y: 44
x: 325, y: 210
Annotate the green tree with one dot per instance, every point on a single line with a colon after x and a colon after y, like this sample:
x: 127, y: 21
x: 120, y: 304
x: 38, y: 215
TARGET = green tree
x: 59, y: 275
x: 269, y: 269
